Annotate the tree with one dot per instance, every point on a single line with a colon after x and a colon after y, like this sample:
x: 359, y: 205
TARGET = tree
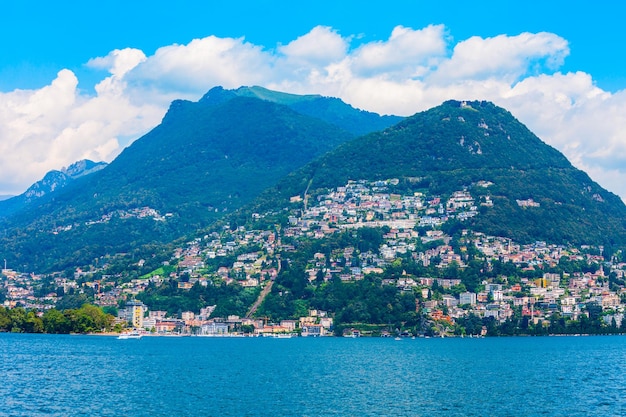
x: 100, y: 320
x: 56, y: 322
x: 5, y: 320
x: 18, y: 319
x: 595, y: 311
x: 452, y: 271
x: 71, y: 301
x: 247, y: 328
x: 33, y: 324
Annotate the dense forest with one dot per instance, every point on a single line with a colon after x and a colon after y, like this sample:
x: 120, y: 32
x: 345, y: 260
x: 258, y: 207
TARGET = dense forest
x: 86, y: 319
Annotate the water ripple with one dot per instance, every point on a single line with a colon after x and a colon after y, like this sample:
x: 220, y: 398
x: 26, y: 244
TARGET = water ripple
x: 44, y: 375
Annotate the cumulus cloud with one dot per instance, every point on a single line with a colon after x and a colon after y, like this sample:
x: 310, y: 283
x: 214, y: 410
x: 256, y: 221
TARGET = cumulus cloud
x: 407, y: 53
x: 504, y: 57
x: 119, y: 61
x: 188, y: 69
x: 321, y: 46
x: 54, y: 126
x: 410, y: 71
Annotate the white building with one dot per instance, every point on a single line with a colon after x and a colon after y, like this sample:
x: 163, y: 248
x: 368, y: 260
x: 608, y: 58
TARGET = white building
x: 467, y: 298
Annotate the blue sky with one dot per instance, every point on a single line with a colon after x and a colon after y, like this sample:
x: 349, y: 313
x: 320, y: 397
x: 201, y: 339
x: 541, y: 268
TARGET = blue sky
x: 84, y: 79
x: 41, y: 37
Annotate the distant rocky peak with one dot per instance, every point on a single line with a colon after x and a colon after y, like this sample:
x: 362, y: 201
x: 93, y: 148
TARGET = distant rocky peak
x: 217, y: 95
x: 83, y: 167
x: 52, y: 181
x: 57, y: 179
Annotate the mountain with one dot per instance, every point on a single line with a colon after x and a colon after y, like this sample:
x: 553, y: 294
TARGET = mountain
x: 204, y: 160
x: 329, y: 109
x: 209, y: 158
x: 82, y: 168
x: 55, y: 180
x: 52, y: 181
x: 530, y: 190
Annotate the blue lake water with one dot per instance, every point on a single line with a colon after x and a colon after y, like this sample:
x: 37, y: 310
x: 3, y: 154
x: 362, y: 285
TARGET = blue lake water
x: 48, y: 375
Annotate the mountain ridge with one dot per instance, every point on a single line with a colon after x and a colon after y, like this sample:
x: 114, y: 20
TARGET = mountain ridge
x: 330, y: 109
x: 53, y: 181
x: 212, y: 157
x: 460, y: 144
x: 202, y: 161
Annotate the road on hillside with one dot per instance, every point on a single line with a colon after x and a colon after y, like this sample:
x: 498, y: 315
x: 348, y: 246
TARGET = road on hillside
x: 263, y: 294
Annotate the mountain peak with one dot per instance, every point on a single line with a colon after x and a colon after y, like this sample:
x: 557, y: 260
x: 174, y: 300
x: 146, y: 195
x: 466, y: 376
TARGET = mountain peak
x: 53, y: 181
x: 217, y: 95
x: 83, y: 167
x: 459, y: 145
x: 287, y: 99
x: 330, y: 109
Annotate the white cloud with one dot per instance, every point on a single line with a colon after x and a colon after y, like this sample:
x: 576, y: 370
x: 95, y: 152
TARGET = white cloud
x: 408, y: 53
x: 119, y: 61
x: 54, y: 126
x: 321, y: 46
x: 410, y: 71
x: 504, y: 57
x: 192, y: 68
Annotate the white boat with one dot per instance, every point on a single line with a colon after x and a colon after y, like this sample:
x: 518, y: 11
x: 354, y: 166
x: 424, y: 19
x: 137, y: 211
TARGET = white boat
x: 282, y: 335
x: 130, y: 335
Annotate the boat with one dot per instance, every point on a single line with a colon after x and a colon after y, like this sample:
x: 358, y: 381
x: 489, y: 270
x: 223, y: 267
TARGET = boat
x: 281, y: 335
x: 130, y: 335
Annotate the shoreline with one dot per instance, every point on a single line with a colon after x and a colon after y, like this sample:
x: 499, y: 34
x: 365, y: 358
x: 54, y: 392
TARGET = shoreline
x: 235, y: 335
x: 295, y: 335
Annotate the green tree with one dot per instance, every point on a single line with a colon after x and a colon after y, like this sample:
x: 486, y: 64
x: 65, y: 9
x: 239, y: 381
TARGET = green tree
x: 71, y: 301
x: 5, y: 320
x: 18, y: 319
x: 33, y: 324
x: 55, y: 321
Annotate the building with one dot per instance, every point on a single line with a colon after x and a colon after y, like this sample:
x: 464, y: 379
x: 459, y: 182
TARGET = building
x: 467, y: 298
x: 187, y: 316
x: 168, y: 325
x: 214, y: 329
x: 133, y: 313
x: 313, y: 330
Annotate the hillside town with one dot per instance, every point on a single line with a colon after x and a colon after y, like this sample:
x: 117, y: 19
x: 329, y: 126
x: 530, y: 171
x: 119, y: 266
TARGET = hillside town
x: 538, y: 282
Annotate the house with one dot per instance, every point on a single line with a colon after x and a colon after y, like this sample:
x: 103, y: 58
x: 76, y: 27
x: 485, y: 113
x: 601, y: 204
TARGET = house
x: 313, y: 330
x: 290, y: 325
x: 450, y: 301
x: 167, y: 325
x: 467, y: 298
x: 214, y: 329
x: 187, y: 315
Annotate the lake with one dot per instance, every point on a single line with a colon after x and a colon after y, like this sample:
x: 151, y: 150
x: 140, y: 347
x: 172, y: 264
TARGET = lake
x: 54, y: 375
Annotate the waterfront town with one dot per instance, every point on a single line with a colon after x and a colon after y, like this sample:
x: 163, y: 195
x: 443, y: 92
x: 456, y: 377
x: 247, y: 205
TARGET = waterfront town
x: 537, y: 281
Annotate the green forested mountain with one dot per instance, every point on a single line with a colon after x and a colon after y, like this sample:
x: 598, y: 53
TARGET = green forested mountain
x: 216, y: 158
x: 202, y: 161
x: 209, y: 158
x: 329, y: 109
x: 536, y: 193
